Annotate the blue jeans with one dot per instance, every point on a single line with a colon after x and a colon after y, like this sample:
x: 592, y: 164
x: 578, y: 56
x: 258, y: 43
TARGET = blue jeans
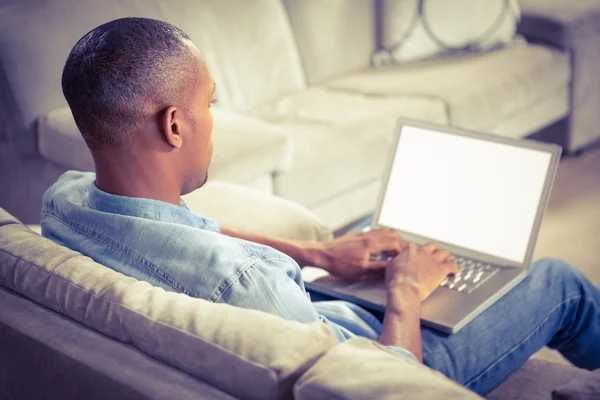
x: 556, y: 305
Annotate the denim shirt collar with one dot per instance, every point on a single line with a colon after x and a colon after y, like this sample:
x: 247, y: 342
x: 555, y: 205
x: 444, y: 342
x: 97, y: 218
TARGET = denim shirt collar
x: 147, y: 208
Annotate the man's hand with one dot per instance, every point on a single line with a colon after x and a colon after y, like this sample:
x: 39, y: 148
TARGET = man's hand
x: 422, y: 267
x: 349, y: 256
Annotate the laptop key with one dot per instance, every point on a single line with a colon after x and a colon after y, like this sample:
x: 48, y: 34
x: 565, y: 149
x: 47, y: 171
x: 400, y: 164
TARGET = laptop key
x: 471, y: 275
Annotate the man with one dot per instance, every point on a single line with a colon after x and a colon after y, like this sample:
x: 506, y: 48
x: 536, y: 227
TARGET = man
x: 140, y: 94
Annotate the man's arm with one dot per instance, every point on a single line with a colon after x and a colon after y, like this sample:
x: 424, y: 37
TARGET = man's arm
x: 303, y: 252
x: 402, y: 319
x: 348, y: 257
x: 409, y: 279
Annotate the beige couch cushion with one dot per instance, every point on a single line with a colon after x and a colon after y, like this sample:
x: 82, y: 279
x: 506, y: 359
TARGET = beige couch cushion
x: 360, y: 369
x: 479, y: 90
x: 245, y: 148
x: 444, y: 26
x: 246, y: 353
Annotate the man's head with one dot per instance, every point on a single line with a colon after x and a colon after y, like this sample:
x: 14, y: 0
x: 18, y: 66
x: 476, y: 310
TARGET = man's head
x: 138, y: 88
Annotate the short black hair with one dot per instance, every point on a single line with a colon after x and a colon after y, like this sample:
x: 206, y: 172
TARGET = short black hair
x: 116, y: 70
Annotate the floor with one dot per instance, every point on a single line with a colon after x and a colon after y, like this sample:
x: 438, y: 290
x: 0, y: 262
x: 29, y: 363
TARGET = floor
x: 571, y: 227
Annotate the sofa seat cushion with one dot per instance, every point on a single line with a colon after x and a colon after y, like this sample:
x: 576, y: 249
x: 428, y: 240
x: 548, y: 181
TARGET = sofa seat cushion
x: 246, y: 353
x: 480, y: 90
x: 339, y: 141
x: 376, y: 374
x: 245, y: 148
x: 323, y: 106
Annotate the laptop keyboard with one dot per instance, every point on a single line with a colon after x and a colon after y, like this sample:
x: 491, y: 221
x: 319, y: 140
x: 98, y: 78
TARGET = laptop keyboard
x: 472, y: 274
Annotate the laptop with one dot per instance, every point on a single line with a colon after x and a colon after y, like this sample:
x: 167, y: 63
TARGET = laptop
x: 480, y: 196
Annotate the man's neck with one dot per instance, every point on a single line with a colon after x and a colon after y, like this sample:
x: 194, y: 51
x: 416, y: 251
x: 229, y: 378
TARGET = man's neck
x: 126, y: 176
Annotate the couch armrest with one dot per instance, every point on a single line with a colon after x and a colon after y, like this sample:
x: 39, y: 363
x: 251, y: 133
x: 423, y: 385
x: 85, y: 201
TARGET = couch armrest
x: 572, y: 26
x: 241, y: 208
x: 362, y: 369
x: 559, y: 23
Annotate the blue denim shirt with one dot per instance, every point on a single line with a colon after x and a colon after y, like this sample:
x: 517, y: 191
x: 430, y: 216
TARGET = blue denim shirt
x: 173, y: 248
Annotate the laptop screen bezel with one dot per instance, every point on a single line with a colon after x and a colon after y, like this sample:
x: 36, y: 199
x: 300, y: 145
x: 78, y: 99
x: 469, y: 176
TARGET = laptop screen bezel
x: 554, y: 150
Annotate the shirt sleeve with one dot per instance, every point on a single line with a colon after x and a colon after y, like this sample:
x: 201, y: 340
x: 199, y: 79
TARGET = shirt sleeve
x: 402, y: 353
x: 266, y: 286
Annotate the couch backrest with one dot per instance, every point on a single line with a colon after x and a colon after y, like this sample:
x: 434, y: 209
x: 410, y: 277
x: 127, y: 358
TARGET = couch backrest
x: 248, y: 46
x: 334, y: 37
x: 247, y: 353
x: 67, y: 360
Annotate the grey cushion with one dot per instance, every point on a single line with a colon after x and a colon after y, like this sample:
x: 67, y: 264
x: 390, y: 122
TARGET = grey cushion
x: 223, y: 345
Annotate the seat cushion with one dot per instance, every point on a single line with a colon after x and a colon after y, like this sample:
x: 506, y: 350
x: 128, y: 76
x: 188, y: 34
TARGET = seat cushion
x: 479, y: 90
x: 376, y: 374
x: 245, y: 148
x: 339, y: 140
x: 246, y: 353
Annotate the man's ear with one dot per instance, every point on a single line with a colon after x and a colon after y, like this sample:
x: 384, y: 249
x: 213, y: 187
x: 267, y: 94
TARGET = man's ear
x: 171, y: 126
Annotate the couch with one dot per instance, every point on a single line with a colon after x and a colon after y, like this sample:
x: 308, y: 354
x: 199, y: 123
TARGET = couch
x: 71, y: 328
x: 303, y: 112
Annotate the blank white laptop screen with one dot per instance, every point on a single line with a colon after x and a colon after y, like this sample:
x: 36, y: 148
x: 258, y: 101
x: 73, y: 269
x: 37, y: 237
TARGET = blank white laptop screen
x: 464, y: 191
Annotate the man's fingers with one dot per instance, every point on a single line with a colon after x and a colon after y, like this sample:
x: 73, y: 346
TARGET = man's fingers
x: 430, y: 247
x: 379, y: 264
x: 451, y: 266
x: 395, y: 244
x: 441, y: 256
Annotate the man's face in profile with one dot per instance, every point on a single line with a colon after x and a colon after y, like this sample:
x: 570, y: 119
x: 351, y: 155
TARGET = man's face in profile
x: 198, y: 146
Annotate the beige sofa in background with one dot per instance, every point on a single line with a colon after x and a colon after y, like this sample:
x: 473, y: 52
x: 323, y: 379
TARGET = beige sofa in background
x: 301, y: 114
